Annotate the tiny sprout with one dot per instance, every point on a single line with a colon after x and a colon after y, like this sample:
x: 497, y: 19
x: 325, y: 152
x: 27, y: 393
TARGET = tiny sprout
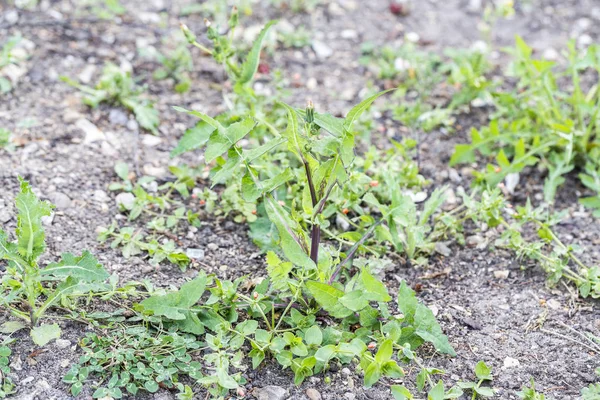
x: 234, y: 18
x: 310, y: 112
x: 189, y: 36
x: 374, y: 183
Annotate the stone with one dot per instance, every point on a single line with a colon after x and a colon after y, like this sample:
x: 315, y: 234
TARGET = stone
x: 151, y: 140
x: 48, y: 219
x: 196, y: 254
x: 550, y: 54
x: 5, y: 212
x: 441, y: 248
x: 62, y: 343
x: 349, y: 396
x: 100, y: 196
x: 322, y: 50
x: 474, y: 240
x: 510, y: 362
x: 349, y: 34
x: 60, y: 200
x: 71, y: 116
x: 346, y: 371
x: 133, y: 125
x: 125, y: 200
x: 116, y: 116
x: 311, y: 83
x: 270, y: 392
x: 157, y: 172
x: 501, y: 274
x: 87, y: 73
x: 342, y: 223
x: 212, y: 246
x: 511, y: 182
x: 91, y: 131
x: 412, y: 37
x: 313, y: 394
x: 11, y: 17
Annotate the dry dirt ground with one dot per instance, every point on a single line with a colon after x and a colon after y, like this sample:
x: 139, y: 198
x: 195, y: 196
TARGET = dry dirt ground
x: 485, y: 318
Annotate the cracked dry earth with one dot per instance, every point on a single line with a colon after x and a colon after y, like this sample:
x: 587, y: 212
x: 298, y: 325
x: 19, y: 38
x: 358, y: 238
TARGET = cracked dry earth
x: 67, y: 152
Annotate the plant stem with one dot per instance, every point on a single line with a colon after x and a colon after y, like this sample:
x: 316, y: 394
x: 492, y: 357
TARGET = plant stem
x: 353, y: 250
x: 315, y: 236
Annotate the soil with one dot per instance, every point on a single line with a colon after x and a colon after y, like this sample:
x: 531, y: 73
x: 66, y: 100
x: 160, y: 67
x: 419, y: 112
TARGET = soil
x: 485, y: 318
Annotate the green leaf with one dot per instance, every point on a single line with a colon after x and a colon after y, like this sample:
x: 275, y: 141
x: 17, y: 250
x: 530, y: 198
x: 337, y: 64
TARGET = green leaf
x: 194, y: 138
x: 43, y: 334
x: 463, y: 153
x: 250, y: 65
x: 291, y: 242
x: 313, y: 336
x: 385, y: 351
x: 223, y: 139
x: 328, y: 297
x: 401, y: 393
x: 147, y: 116
x: 30, y: 232
x: 204, y: 117
x: 10, y: 327
x: 358, y: 109
x: 151, y: 386
x: 176, y: 305
x: 354, y: 300
x: 374, y: 289
x: 482, y: 371
x: 436, y: 392
x: 372, y: 374
x: 85, y: 268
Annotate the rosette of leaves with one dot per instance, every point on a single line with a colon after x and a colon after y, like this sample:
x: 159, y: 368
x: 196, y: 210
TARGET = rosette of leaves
x: 27, y: 290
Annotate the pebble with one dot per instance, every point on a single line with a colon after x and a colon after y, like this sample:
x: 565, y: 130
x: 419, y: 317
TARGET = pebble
x: 125, y: 200
x: 550, y: 54
x: 584, y: 41
x: 151, y: 140
x: 100, y: 196
x: 311, y: 83
x: 349, y: 34
x: 501, y: 274
x: 86, y: 75
x: 5, y: 212
x: 60, y: 200
x: 270, y: 393
x: 510, y: 362
x: 48, y: 219
x: 71, y: 116
x: 511, y: 182
x: 65, y: 363
x: 62, y: 343
x: 412, y: 37
x: 116, y: 116
x: 321, y: 49
x: 157, y: 172
x: 474, y: 240
x: 212, y: 246
x: 341, y: 223
x: 133, y: 125
x: 16, y: 363
x: 346, y: 371
x: 442, y: 249
x: 553, y: 304
x: 196, y: 254
x: 91, y: 131
x: 350, y: 396
x: 313, y: 394
x: 11, y: 17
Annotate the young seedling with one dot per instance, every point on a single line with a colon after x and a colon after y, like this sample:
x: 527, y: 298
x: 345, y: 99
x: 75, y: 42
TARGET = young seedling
x: 529, y: 392
x: 117, y: 87
x: 483, y: 373
x: 26, y: 290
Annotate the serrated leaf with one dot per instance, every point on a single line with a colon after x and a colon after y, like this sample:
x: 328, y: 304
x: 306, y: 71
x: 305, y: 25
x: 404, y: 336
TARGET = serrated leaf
x: 147, y: 116
x: 250, y: 65
x: 30, y: 232
x: 43, y: 334
x: 223, y: 139
x: 194, y: 138
x: 85, y: 268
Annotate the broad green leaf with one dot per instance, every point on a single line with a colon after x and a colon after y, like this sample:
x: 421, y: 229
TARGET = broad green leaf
x: 10, y: 327
x: 436, y: 392
x: 354, y: 300
x: 372, y: 374
x: 401, y: 393
x: 374, y: 289
x: 176, y: 305
x: 463, y: 153
x: 328, y: 297
x: 313, y: 336
x: 482, y: 371
x: 291, y: 242
x: 43, y: 334
x: 85, y: 268
x: 429, y: 330
x: 204, y: 117
x: 253, y: 154
x: 30, y: 232
x: 194, y: 138
x: 250, y: 65
x: 385, y: 351
x: 224, y: 138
